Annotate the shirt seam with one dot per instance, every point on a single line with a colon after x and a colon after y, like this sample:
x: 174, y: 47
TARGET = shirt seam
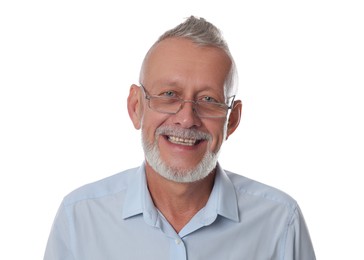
x: 69, y: 202
x: 290, y: 220
x: 69, y: 233
x: 289, y: 204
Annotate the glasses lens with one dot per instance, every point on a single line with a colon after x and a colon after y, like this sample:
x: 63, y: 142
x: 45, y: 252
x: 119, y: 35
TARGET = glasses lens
x: 172, y: 105
x: 165, y: 105
x: 205, y: 109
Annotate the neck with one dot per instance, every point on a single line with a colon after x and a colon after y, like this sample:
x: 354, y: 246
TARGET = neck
x: 178, y: 202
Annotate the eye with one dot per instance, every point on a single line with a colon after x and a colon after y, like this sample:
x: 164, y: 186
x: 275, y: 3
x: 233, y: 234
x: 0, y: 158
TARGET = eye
x: 168, y: 94
x: 209, y: 99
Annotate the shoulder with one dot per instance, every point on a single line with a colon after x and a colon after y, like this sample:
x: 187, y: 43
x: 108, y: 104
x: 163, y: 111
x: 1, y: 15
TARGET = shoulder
x: 258, y: 191
x: 101, y: 188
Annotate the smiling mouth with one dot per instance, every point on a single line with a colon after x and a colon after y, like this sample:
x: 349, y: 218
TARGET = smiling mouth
x: 182, y: 141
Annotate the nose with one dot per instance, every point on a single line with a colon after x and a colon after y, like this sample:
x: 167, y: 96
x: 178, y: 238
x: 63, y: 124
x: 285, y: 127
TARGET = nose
x: 186, y: 117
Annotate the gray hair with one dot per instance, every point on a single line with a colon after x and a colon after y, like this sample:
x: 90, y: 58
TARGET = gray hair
x: 204, y: 33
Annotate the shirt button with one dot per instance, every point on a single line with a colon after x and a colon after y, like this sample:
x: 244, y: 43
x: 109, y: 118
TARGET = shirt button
x: 178, y: 241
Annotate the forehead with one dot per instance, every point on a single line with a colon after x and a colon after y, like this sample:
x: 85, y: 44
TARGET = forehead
x: 179, y: 60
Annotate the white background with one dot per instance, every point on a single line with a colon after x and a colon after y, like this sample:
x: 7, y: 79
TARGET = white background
x: 65, y: 72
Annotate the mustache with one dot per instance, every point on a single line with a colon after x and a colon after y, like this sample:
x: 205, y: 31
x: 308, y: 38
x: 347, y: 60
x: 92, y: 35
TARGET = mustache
x: 182, y: 133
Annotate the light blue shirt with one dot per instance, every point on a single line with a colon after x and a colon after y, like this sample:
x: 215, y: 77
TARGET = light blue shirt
x: 115, y: 219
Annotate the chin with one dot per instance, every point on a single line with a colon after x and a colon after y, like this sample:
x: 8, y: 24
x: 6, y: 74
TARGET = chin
x: 179, y: 174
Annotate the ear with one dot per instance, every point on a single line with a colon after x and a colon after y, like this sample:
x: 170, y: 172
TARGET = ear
x: 135, y: 106
x: 234, y: 118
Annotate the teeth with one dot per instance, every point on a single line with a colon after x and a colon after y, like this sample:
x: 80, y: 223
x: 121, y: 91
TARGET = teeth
x: 182, y: 141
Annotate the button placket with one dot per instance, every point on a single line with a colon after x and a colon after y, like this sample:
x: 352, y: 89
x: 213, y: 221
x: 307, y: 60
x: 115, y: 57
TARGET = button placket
x: 177, y: 249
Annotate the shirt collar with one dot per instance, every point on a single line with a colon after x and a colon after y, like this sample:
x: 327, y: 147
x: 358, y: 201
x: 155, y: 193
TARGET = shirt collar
x: 138, y: 200
x: 222, y: 199
x: 133, y: 203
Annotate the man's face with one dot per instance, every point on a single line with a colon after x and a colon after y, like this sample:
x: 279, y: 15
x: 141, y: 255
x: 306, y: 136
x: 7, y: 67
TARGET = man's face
x: 183, y: 140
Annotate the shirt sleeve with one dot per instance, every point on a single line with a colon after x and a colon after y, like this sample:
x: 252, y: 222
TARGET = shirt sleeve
x: 58, y: 245
x: 298, y: 244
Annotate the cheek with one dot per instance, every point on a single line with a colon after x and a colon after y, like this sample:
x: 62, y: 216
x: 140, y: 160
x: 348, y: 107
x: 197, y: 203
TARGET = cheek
x: 218, y: 137
x: 148, y: 132
x: 149, y: 124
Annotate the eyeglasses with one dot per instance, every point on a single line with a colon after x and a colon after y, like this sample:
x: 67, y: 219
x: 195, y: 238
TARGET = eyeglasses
x: 173, y: 104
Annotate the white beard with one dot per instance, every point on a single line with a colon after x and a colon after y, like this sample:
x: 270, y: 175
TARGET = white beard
x: 178, y: 174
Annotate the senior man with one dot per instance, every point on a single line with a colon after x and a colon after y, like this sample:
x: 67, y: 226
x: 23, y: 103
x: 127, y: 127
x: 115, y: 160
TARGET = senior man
x: 180, y: 203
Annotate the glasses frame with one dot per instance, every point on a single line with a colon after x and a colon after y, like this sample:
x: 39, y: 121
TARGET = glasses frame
x: 182, y: 101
